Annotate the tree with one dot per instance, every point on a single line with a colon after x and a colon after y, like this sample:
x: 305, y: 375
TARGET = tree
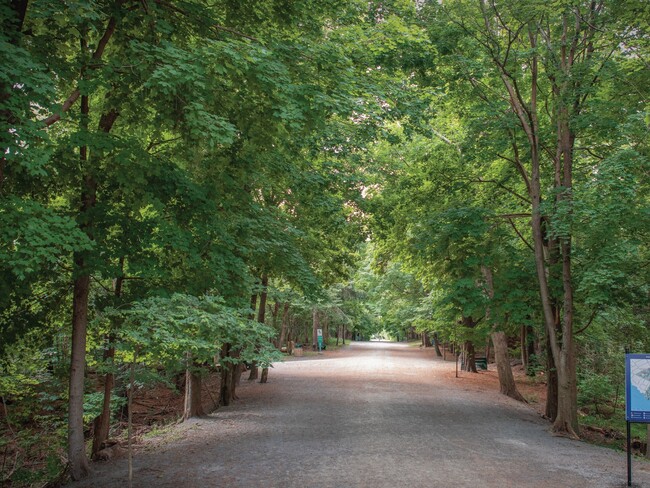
x: 541, y: 72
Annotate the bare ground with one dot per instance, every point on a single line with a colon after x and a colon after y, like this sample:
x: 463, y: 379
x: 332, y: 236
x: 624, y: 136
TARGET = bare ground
x: 371, y: 415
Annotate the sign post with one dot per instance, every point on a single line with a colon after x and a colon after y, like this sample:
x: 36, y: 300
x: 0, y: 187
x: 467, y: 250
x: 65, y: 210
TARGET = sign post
x: 319, y: 334
x: 637, y: 398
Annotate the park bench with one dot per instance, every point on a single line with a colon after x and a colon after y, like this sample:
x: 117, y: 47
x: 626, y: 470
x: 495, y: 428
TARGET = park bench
x: 481, y: 363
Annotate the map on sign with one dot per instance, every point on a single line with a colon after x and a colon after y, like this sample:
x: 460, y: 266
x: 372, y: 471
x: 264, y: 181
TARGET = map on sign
x: 637, y: 387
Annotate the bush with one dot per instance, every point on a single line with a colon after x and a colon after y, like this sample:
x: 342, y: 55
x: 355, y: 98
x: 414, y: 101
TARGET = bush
x: 594, y: 389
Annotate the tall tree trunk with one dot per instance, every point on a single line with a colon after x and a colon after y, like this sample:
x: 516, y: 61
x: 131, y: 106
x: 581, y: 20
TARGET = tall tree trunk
x: 76, y: 444
x: 567, y: 419
x: 566, y: 91
x: 326, y: 329
x: 81, y: 289
x: 253, y: 373
x: 470, y: 363
x: 235, y: 372
x: 275, y: 312
x: 102, y: 423
x: 227, y: 390
x: 436, y: 344
x: 314, y: 329
x: 285, y: 322
x: 550, y: 410
x: 77, y: 459
x: 507, y: 384
x: 261, y: 317
x: 193, y: 406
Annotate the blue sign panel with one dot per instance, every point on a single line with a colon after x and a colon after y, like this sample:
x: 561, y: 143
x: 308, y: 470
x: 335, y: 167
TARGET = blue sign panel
x: 637, y: 388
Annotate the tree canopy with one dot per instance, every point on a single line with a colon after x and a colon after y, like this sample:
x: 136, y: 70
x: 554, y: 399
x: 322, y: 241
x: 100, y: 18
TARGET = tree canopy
x: 172, y: 170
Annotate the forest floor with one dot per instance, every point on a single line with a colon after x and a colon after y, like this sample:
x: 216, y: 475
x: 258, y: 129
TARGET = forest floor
x: 375, y: 415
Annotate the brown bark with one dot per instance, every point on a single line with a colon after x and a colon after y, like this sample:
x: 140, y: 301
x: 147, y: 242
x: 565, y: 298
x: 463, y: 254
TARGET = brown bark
x: 193, y: 406
x: 81, y: 291
x: 326, y: 329
x: 235, y: 373
x: 470, y: 354
x: 315, y: 327
x: 78, y: 462
x: 507, y: 384
x: 265, y: 375
x: 227, y: 390
x: 76, y: 445
x: 261, y: 317
x: 253, y: 373
x: 275, y: 312
x: 253, y: 306
x: 436, y: 344
x: 102, y: 424
x: 285, y: 322
x: 550, y: 410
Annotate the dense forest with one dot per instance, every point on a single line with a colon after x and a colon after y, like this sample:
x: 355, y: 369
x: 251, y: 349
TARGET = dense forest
x: 190, y: 185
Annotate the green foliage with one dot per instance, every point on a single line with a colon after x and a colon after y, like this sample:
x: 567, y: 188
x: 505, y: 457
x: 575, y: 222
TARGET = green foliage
x: 167, y: 331
x: 594, y: 389
x: 35, y: 236
x: 273, y: 137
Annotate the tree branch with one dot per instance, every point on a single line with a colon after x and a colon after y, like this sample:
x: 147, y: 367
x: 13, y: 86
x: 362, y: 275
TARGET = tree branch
x: 74, y: 96
x: 214, y: 26
x: 503, y: 187
x: 593, y: 315
x: 522, y: 215
x: 512, y: 224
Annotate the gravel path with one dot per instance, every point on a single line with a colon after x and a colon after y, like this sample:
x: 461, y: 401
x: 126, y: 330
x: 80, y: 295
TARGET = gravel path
x: 372, y: 415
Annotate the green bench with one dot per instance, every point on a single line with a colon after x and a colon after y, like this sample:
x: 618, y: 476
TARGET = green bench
x: 481, y: 363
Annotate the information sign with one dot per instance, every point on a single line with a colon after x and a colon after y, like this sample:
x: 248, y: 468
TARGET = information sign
x: 637, y: 388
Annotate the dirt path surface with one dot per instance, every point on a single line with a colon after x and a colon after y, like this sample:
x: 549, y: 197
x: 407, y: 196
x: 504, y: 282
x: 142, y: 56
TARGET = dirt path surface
x: 372, y: 415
